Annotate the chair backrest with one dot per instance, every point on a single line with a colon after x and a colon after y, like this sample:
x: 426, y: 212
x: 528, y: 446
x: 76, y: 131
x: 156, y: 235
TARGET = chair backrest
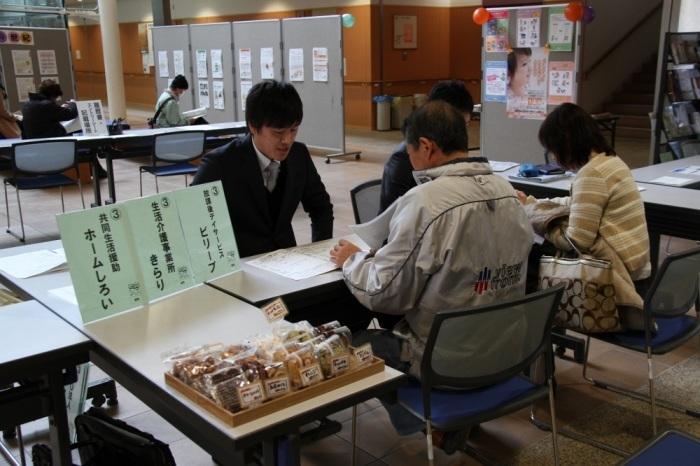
x: 488, y: 344
x: 365, y: 200
x: 178, y: 147
x: 44, y: 157
x: 675, y: 287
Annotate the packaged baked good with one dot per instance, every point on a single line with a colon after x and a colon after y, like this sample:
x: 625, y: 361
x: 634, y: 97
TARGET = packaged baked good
x: 334, y: 356
x: 298, y: 331
x: 276, y: 381
x: 302, y: 365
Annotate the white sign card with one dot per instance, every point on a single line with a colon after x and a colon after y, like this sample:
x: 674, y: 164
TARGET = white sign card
x: 217, y: 64
x: 163, y: 68
x: 218, y: 90
x: 91, y: 118
x: 320, y: 64
x: 267, y: 61
x: 178, y: 62
x: 201, y: 55
x: 22, y: 61
x: 203, y: 94
x: 245, y: 65
x: 47, y: 61
x: 296, y: 65
x: 24, y: 87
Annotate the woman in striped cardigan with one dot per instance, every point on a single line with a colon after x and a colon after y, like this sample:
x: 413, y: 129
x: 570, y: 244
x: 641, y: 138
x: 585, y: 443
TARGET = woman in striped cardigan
x: 605, y: 211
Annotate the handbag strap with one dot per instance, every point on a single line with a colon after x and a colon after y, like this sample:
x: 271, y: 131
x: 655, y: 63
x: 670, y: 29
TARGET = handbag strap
x: 160, y: 108
x: 572, y: 244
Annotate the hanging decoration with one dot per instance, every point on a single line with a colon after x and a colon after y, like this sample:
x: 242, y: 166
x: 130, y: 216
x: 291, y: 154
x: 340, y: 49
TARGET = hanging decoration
x: 481, y: 16
x: 588, y: 14
x: 574, y: 11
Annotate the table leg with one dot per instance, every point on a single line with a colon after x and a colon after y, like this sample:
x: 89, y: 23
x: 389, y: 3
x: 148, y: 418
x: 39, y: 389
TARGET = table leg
x: 654, y: 246
x: 110, y: 179
x: 97, y: 194
x: 58, y: 421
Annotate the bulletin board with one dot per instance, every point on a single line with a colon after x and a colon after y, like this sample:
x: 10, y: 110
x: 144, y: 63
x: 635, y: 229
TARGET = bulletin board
x: 510, y: 123
x: 30, y: 55
x: 169, y: 43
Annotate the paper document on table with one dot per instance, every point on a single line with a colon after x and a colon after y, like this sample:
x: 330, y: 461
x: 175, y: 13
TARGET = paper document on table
x: 194, y: 113
x: 71, y: 126
x: 33, y: 263
x: 300, y: 262
x: 502, y: 166
x: 671, y: 181
x: 376, y: 231
x: 66, y: 293
x: 690, y: 170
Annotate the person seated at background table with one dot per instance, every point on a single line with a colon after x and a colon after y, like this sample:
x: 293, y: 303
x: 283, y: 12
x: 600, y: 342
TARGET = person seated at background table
x: 43, y: 113
x: 266, y: 174
x: 168, y: 108
x: 604, y: 216
x: 446, y: 234
x: 9, y: 129
x: 398, y: 172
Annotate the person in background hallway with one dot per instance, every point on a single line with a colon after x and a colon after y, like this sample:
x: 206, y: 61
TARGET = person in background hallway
x: 43, y: 113
x: 8, y: 124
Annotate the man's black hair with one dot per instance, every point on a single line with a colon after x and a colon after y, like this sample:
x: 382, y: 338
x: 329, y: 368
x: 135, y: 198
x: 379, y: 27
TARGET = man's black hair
x: 571, y: 134
x: 50, y: 89
x: 455, y: 93
x: 273, y: 103
x: 441, y: 123
x: 179, y: 82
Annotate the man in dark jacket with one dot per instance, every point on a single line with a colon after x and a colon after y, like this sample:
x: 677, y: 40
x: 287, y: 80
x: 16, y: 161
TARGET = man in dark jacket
x: 42, y: 114
x: 398, y: 172
x: 266, y: 174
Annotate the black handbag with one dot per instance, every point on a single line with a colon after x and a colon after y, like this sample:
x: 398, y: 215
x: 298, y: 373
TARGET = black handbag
x: 115, y: 127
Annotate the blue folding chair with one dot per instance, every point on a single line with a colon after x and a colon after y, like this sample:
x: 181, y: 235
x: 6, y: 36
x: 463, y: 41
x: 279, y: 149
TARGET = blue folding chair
x: 40, y: 165
x: 673, y: 292
x: 473, y: 365
x: 671, y: 448
x: 172, y: 154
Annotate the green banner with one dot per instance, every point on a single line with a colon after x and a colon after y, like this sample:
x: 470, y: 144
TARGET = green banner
x: 208, y: 231
x: 106, y: 278
x: 561, y: 31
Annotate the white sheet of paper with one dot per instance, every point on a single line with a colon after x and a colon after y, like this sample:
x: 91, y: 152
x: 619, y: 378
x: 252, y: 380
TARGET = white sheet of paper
x: 320, y: 64
x: 296, y: 64
x: 47, y: 61
x: 22, y: 61
x: 195, y: 112
x: 33, y: 263
x: 163, y: 68
x: 66, y: 293
x: 294, y: 265
x: 690, y: 170
x: 245, y: 89
x: 217, y: 63
x: 218, y: 91
x: 178, y: 62
x: 267, y: 62
x: 497, y: 166
x: 245, y: 64
x: 203, y: 93
x: 24, y: 87
x: 201, y: 55
x: 671, y: 181
x: 376, y: 231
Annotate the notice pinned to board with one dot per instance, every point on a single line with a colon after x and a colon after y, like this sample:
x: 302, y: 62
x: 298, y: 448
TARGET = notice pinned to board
x: 561, y: 82
x: 320, y: 64
x: 217, y: 64
x: 561, y: 31
x: 178, y: 62
x: 245, y: 89
x: 163, y: 65
x: 47, y: 62
x: 201, y: 55
x: 218, y: 91
x: 245, y: 66
x: 528, y: 30
x: 495, y: 80
x: 24, y: 87
x: 497, y: 32
x: 22, y: 62
x: 203, y: 94
x: 267, y: 63
x: 296, y: 65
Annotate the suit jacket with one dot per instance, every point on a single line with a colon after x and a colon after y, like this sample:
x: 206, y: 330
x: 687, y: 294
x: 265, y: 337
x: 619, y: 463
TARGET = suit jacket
x: 42, y: 117
x: 236, y: 165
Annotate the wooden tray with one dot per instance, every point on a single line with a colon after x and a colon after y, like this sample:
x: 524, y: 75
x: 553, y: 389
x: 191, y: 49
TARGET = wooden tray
x: 285, y: 401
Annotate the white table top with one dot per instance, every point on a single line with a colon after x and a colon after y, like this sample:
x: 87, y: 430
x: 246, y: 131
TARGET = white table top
x: 651, y: 172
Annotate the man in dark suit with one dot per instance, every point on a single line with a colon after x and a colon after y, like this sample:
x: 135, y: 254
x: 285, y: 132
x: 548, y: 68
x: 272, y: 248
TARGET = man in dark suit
x: 266, y: 174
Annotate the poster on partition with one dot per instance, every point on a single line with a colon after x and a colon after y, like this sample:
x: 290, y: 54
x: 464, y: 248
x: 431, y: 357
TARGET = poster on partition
x: 22, y: 62
x: 92, y: 119
x: 178, y: 62
x: 47, y: 62
x: 528, y: 29
x: 495, y: 81
x: 320, y: 64
x: 246, y: 86
x: 163, y: 66
x: 561, y: 82
x: 296, y: 65
x: 267, y: 62
x: 24, y: 87
x: 218, y: 91
x: 245, y: 64
x: 201, y: 56
x: 497, y: 32
x: 561, y: 31
x: 203, y: 94
x: 526, y: 95
x: 217, y: 63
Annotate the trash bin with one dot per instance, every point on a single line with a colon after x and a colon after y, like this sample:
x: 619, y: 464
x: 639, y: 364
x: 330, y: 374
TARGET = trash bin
x: 419, y: 100
x: 383, y: 112
x: 401, y: 108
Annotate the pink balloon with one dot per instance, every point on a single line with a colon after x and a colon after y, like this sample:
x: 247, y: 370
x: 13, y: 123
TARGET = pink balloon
x: 588, y: 14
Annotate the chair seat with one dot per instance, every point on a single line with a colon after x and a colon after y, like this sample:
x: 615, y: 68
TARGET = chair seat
x: 448, y: 406
x: 171, y: 170
x: 671, y: 448
x: 671, y: 333
x: 40, y: 182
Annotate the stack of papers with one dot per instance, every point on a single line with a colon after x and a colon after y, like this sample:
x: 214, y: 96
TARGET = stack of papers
x: 671, y: 181
x: 300, y: 262
x: 35, y: 263
x: 197, y: 112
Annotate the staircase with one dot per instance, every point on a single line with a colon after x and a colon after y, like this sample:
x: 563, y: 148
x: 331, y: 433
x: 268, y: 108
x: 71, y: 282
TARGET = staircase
x: 634, y: 101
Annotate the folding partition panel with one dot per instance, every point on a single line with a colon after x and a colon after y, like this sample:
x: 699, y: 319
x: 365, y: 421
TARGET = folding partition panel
x: 171, y: 46
x: 313, y: 62
x: 257, y: 52
x: 212, y: 74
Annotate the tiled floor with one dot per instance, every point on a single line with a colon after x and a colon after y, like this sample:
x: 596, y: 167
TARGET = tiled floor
x: 377, y: 441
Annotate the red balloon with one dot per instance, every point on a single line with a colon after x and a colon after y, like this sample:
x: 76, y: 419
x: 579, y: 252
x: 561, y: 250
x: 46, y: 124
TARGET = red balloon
x: 574, y: 11
x: 481, y: 16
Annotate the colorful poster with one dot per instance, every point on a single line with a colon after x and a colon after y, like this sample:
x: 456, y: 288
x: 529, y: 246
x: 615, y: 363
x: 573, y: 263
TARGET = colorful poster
x: 528, y: 31
x: 22, y: 61
x: 201, y: 55
x: 561, y: 82
x: 296, y: 64
x: 267, y: 61
x: 47, y: 61
x: 218, y: 91
x: 497, y: 32
x: 163, y: 68
x: 495, y: 80
x: 245, y: 64
x: 527, y: 84
x: 178, y: 62
x: 217, y: 63
x: 203, y: 94
x: 24, y: 87
x: 320, y: 63
x: 561, y: 31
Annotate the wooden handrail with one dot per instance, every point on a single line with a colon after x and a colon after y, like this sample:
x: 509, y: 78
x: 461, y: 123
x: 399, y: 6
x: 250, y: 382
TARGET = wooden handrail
x: 613, y: 47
